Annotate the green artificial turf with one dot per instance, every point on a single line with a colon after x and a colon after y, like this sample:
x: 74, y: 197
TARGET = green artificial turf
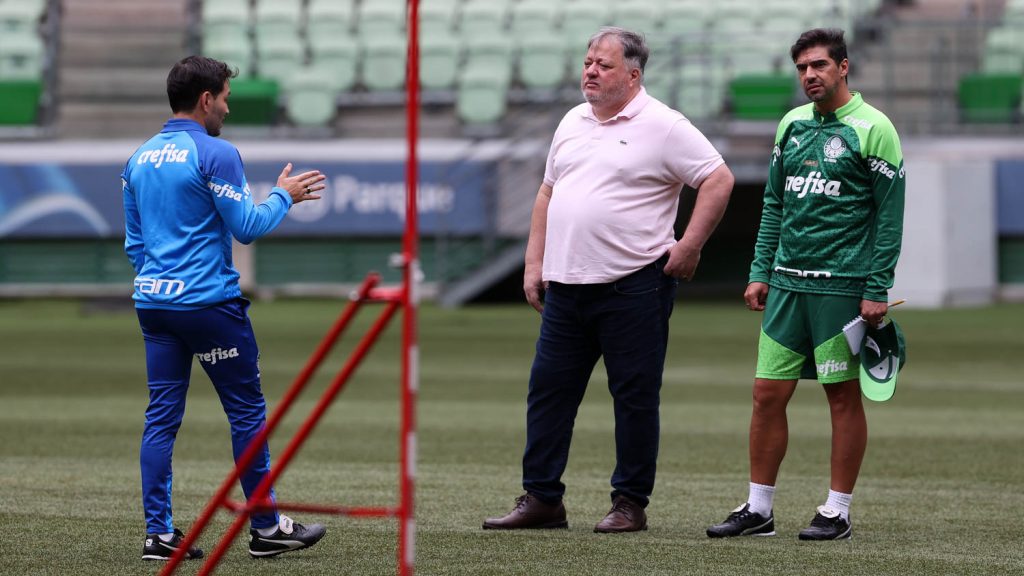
x: 940, y: 491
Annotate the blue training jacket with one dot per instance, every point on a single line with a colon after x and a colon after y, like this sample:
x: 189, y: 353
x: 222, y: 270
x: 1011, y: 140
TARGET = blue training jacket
x: 185, y: 196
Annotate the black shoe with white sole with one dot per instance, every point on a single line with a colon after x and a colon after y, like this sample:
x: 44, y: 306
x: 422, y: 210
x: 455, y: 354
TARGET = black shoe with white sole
x: 289, y: 536
x: 743, y: 522
x: 157, y: 549
x: 827, y: 525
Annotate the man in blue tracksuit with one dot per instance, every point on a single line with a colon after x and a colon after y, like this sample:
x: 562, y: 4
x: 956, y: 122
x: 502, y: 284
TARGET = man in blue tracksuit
x: 185, y: 197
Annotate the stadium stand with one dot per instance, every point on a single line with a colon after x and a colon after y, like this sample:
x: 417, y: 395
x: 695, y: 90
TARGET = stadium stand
x: 504, y: 69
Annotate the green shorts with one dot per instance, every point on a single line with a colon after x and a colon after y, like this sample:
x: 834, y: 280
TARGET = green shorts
x: 802, y: 337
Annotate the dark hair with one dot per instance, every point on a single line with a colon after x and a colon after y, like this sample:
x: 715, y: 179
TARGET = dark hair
x: 634, y: 47
x: 830, y: 38
x: 192, y: 76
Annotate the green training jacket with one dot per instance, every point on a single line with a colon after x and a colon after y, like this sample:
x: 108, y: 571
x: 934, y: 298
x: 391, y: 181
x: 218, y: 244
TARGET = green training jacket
x: 833, y: 207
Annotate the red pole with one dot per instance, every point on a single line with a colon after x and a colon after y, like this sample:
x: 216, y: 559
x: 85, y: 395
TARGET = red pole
x: 410, y: 300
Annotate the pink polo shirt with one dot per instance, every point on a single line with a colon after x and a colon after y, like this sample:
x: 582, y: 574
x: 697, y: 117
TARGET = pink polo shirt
x: 616, y: 188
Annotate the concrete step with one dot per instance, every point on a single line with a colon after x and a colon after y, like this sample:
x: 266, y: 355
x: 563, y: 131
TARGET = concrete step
x: 84, y: 48
x: 119, y: 15
x: 114, y: 85
x: 104, y: 120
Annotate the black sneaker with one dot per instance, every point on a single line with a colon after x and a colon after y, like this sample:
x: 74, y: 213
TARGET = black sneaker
x: 827, y: 525
x: 157, y: 549
x: 743, y: 522
x: 289, y: 536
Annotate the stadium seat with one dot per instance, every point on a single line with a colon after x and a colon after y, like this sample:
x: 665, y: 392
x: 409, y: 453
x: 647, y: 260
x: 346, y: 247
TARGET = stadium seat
x: 277, y: 18
x: 19, y: 102
x: 20, y: 16
x: 328, y: 19
x: 440, y: 59
x: 493, y: 53
x: 481, y: 97
x: 1004, y: 51
x: 531, y: 18
x: 483, y: 19
x: 438, y: 17
x: 642, y: 16
x: 336, y: 57
x: 761, y: 96
x: 580, y: 21
x: 383, y: 61
x: 225, y: 18
x: 235, y: 51
x: 381, y: 18
x: 310, y: 98
x: 989, y: 97
x: 684, y: 18
x: 542, y: 61
x: 21, y: 56
x: 277, y: 56
x: 253, y: 101
x: 699, y: 94
x: 662, y: 85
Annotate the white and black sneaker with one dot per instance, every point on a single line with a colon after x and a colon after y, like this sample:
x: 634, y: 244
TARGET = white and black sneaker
x: 827, y: 525
x: 743, y: 522
x: 157, y: 549
x: 290, y: 535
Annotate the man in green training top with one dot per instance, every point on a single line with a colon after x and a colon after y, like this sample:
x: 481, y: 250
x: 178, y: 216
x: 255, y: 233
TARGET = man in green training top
x: 829, y: 240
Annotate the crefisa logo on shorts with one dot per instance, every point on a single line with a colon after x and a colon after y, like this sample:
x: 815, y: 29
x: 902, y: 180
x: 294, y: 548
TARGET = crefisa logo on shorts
x: 831, y: 367
x: 216, y: 354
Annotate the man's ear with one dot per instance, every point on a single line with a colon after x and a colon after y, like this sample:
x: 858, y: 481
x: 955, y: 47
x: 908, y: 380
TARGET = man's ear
x: 205, y: 101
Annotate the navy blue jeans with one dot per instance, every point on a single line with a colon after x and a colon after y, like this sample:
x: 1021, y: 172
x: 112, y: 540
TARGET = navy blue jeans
x: 626, y: 322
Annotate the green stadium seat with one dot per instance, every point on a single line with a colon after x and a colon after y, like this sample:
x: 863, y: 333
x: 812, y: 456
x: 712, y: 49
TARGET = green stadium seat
x: 383, y: 61
x: 336, y: 58
x: 277, y: 56
x: 531, y: 18
x: 253, y: 101
x: 700, y: 91
x: 225, y: 18
x: 310, y: 98
x: 684, y: 18
x: 21, y: 56
x: 989, y: 97
x: 437, y: 17
x: 235, y: 51
x: 493, y: 53
x: 19, y: 102
x: 440, y: 57
x: 542, y: 61
x: 580, y: 21
x: 329, y: 19
x: 381, y: 18
x: 1004, y: 51
x: 277, y: 18
x: 642, y: 16
x: 761, y: 96
x: 481, y: 97
x: 483, y: 19
x: 20, y: 16
x: 662, y: 85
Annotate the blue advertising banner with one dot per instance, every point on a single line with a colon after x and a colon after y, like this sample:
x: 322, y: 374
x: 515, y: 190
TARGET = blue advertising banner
x: 361, y: 199
x: 1010, y: 197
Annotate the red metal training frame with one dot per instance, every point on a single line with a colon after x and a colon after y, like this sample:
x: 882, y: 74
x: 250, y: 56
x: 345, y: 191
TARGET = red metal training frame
x: 405, y: 297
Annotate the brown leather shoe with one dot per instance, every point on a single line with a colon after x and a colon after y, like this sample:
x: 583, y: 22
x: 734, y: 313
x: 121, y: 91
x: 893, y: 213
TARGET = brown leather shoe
x: 625, y: 516
x: 530, y: 512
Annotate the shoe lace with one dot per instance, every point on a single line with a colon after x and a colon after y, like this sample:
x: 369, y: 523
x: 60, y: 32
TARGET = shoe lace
x: 521, y: 501
x: 623, y: 506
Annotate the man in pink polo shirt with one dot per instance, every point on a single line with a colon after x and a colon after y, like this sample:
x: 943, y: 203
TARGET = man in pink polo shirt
x: 602, y: 265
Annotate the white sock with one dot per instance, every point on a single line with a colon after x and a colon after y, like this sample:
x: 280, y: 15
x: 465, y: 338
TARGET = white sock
x: 268, y: 531
x: 839, y: 501
x: 761, y: 498
x: 166, y: 537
